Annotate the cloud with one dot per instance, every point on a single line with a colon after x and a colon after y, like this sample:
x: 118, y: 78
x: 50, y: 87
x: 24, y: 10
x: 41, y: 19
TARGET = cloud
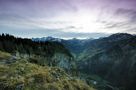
x: 41, y: 32
x: 120, y: 20
x: 82, y: 35
x: 127, y: 13
x: 67, y: 18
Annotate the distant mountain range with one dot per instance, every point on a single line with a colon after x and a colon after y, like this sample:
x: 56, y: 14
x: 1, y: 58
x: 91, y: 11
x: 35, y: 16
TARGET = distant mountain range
x: 43, y: 39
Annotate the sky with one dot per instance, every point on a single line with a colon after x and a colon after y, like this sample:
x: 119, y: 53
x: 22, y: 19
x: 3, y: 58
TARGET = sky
x: 67, y: 18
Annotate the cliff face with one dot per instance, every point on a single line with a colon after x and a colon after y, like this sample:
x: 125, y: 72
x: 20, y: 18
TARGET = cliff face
x: 63, y: 61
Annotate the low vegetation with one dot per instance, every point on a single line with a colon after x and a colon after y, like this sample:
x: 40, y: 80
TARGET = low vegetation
x: 4, y: 55
x: 23, y: 75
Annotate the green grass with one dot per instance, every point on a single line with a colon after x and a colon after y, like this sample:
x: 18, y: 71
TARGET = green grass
x: 4, y: 55
x: 27, y: 76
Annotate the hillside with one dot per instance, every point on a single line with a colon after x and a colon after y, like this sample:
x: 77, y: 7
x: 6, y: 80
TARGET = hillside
x: 23, y: 75
x: 113, y: 58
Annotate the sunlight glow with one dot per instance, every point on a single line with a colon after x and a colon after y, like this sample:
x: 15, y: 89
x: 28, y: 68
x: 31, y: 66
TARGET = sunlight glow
x: 87, y: 23
x: 83, y: 22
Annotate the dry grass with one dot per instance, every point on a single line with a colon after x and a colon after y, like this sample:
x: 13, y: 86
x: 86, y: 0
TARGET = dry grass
x: 4, y: 55
x: 28, y: 76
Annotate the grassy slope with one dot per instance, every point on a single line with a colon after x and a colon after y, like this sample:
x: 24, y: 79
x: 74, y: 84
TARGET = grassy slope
x: 27, y: 76
x: 4, y: 55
